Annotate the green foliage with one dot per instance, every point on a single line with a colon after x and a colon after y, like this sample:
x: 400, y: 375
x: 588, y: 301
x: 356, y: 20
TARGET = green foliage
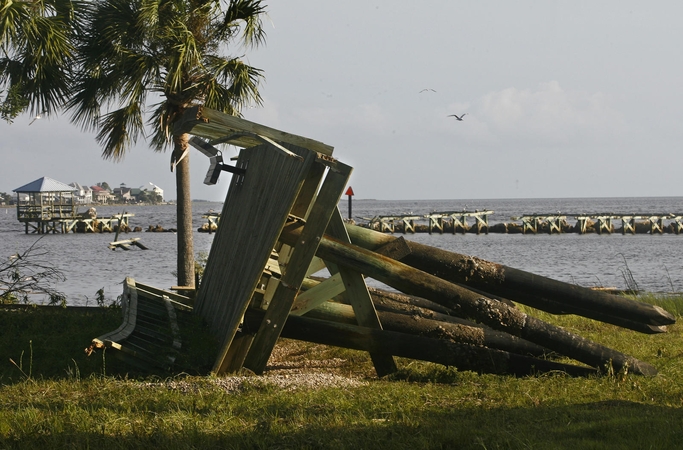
x: 54, y: 337
x: 150, y: 197
x: 37, y: 44
x: 57, y: 299
x: 103, y: 60
x: 13, y: 104
x: 168, y: 48
x: 200, y: 263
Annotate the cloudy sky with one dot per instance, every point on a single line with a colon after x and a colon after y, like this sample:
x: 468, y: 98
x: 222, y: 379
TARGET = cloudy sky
x: 563, y: 99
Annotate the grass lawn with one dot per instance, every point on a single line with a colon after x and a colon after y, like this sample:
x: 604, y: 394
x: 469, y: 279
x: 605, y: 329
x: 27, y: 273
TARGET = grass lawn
x: 53, y: 396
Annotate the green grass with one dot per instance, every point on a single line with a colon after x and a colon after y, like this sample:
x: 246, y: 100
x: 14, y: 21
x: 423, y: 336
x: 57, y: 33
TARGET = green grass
x: 423, y: 406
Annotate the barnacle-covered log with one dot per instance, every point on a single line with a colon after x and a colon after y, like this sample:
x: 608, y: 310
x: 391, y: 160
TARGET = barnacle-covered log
x: 441, y: 351
x: 420, y: 326
x: 496, y: 314
x: 524, y: 287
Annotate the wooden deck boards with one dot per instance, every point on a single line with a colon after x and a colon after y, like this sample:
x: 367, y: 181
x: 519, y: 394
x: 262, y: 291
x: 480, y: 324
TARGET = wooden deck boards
x: 256, y: 208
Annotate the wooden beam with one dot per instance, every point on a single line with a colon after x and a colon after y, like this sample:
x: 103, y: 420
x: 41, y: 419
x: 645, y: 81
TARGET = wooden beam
x: 359, y: 297
x: 312, y: 298
x: 303, y: 252
x: 212, y: 124
x: 496, y: 314
x: 441, y: 351
x: 255, y: 210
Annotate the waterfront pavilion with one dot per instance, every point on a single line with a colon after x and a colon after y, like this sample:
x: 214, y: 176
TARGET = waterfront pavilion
x: 50, y: 205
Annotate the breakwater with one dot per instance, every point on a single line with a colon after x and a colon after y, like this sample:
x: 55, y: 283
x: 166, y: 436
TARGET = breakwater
x: 478, y: 222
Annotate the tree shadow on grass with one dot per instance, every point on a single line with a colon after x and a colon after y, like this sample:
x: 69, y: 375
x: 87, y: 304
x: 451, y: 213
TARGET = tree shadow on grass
x: 605, y: 425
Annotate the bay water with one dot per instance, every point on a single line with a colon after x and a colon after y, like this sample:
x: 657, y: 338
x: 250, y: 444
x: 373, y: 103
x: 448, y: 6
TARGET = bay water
x: 654, y: 261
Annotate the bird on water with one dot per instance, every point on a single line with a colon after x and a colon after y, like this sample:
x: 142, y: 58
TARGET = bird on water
x: 457, y: 117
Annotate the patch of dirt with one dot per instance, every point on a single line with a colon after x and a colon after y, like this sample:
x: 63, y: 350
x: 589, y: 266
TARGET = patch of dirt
x: 292, y: 365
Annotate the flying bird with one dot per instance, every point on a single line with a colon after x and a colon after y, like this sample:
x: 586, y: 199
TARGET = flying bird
x: 37, y: 117
x: 426, y: 90
x: 457, y: 117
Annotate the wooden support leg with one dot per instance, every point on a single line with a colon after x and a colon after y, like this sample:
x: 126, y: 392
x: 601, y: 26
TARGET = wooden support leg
x: 236, y: 353
x: 302, y: 254
x: 359, y: 297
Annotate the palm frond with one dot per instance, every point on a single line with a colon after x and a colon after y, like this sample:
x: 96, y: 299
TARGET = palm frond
x: 161, y: 122
x: 39, y: 35
x: 238, y: 84
x: 247, y: 15
x: 119, y: 130
x: 131, y: 49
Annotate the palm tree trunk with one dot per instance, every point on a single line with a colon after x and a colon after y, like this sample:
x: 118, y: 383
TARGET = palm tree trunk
x: 184, y: 213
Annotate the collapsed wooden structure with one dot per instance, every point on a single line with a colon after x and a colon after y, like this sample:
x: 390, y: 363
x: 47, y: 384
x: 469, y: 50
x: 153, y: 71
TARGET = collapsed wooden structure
x: 280, y: 226
x: 149, y: 335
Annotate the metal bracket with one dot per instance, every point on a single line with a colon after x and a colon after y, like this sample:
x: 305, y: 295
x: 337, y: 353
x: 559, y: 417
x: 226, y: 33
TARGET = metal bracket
x: 216, y: 158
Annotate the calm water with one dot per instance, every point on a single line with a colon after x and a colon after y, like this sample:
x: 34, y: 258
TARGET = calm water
x: 589, y: 260
x: 655, y: 261
x: 87, y: 262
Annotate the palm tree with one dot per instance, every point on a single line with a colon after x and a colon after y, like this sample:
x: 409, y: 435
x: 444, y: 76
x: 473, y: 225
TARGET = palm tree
x: 36, y: 53
x: 167, y: 52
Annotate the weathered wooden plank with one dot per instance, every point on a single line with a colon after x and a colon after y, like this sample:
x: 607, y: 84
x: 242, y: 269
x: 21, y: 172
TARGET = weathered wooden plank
x: 303, y: 252
x: 180, y: 301
x: 126, y: 244
x: 256, y: 207
x: 359, y: 297
x: 129, y: 308
x: 212, y: 124
x: 311, y: 298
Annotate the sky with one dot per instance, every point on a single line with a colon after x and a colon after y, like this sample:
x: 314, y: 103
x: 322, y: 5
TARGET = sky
x: 563, y: 99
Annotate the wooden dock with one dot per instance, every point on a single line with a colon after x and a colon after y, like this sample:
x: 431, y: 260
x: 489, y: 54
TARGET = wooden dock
x: 57, y: 220
x: 603, y: 223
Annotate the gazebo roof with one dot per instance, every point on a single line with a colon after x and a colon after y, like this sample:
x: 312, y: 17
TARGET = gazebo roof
x: 44, y: 184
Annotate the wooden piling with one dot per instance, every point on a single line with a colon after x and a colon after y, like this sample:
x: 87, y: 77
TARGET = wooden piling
x: 493, y: 313
x: 441, y: 351
x: 516, y: 284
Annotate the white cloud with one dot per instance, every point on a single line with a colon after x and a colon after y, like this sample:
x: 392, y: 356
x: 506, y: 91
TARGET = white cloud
x: 546, y: 117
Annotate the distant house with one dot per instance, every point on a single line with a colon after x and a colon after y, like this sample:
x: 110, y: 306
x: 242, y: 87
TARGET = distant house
x: 22, y: 199
x: 82, y: 194
x: 100, y: 195
x: 124, y: 194
x: 135, y: 194
x: 158, y: 191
